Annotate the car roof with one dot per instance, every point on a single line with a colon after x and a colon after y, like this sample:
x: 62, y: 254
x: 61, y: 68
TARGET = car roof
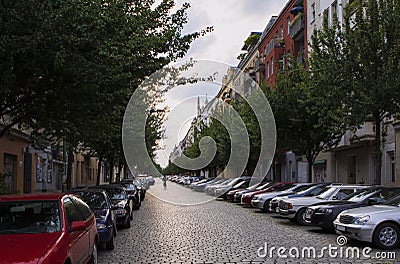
x: 32, y: 197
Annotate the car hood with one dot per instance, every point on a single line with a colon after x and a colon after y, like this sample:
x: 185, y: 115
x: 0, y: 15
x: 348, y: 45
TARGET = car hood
x: 372, y: 210
x: 268, y: 195
x: 303, y: 200
x: 25, y: 248
x: 119, y: 203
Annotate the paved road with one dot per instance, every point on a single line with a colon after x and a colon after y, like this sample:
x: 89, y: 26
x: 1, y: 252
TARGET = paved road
x: 215, y: 232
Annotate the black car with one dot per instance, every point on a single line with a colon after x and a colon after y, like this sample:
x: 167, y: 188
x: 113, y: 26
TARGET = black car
x: 134, y: 193
x: 138, y: 184
x: 323, y: 214
x: 106, y: 219
x: 121, y: 201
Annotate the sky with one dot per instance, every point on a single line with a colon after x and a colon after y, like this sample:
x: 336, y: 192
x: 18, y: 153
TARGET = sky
x: 233, y: 20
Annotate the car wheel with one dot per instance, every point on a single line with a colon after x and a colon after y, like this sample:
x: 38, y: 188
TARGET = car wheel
x: 110, y: 243
x: 93, y: 259
x: 301, y: 217
x: 386, y: 236
x: 266, y: 206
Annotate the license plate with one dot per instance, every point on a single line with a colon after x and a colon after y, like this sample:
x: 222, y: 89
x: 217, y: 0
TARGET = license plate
x: 341, y: 228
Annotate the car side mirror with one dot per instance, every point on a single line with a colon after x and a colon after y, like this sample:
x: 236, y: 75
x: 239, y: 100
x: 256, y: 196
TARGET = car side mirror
x: 372, y: 201
x: 334, y: 197
x: 77, y: 226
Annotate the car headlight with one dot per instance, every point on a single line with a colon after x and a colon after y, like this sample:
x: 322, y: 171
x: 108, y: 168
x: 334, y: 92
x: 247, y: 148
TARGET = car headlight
x: 361, y: 220
x: 100, y: 226
x: 325, y: 211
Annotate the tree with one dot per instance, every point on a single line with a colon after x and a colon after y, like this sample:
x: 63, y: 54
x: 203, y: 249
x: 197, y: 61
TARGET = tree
x: 68, y: 68
x: 362, y: 60
x: 310, y: 115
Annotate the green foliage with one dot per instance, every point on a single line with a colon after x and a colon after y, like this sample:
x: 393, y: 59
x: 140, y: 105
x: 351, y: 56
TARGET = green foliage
x: 252, y: 40
x: 68, y: 68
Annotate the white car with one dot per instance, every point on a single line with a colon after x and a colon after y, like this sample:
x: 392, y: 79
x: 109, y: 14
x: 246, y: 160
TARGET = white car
x: 261, y: 201
x: 379, y: 224
x: 295, y: 208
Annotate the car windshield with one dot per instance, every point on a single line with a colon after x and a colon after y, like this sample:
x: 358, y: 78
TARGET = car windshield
x: 130, y: 187
x: 325, y: 193
x: 116, y: 193
x: 313, y: 191
x: 300, y: 188
x: 394, y: 201
x: 262, y: 187
x: 238, y: 185
x: 282, y: 187
x: 359, y: 195
x: 29, y: 217
x: 95, y: 200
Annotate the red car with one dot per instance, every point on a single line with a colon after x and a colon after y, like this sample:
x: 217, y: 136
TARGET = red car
x: 247, y: 197
x: 47, y: 228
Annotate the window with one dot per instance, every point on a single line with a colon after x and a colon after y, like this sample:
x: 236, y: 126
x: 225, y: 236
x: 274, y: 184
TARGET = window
x: 281, y: 62
x: 313, y: 12
x: 281, y: 30
x: 288, y: 25
x: 267, y: 69
x: 326, y: 15
x: 9, y: 171
x: 333, y: 11
x: 392, y: 166
x: 71, y: 212
x: 271, y: 63
x: 83, y: 208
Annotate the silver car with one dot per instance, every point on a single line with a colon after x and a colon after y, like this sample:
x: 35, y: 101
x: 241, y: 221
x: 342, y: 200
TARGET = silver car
x: 379, y: 224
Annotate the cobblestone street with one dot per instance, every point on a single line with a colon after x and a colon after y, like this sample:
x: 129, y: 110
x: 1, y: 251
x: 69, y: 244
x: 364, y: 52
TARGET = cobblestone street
x: 214, y: 232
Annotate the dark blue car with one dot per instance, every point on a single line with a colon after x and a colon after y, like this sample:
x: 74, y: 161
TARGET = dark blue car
x: 101, y: 206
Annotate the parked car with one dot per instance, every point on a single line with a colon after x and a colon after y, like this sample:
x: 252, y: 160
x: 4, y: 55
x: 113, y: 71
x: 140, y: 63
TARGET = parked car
x: 379, y: 224
x: 242, y: 182
x: 47, y: 228
x: 194, y: 184
x: 261, y: 201
x: 237, y: 197
x: 313, y: 190
x: 138, y: 184
x: 202, y: 187
x: 134, y: 194
x: 280, y: 186
x: 323, y: 214
x: 120, y: 200
x: 106, y: 218
x: 295, y: 208
x: 151, y: 180
x: 210, y: 188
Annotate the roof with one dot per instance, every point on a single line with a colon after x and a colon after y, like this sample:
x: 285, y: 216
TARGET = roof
x: 31, y: 196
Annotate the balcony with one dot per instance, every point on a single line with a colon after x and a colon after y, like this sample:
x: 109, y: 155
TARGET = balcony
x: 259, y: 65
x: 362, y: 135
x: 296, y: 26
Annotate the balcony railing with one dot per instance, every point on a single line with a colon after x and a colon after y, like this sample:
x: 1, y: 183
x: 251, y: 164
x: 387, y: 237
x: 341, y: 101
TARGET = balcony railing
x: 259, y: 65
x: 296, y: 26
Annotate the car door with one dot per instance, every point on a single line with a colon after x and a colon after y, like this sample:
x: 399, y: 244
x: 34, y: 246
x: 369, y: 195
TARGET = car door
x: 78, y: 240
x: 90, y: 234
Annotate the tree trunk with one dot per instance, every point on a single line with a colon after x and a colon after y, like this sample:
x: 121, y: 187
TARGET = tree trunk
x: 111, y: 163
x: 69, y: 168
x: 310, y: 161
x: 99, y: 169
x: 378, y: 150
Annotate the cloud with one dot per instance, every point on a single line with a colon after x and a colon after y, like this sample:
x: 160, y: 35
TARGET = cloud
x: 233, y: 20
